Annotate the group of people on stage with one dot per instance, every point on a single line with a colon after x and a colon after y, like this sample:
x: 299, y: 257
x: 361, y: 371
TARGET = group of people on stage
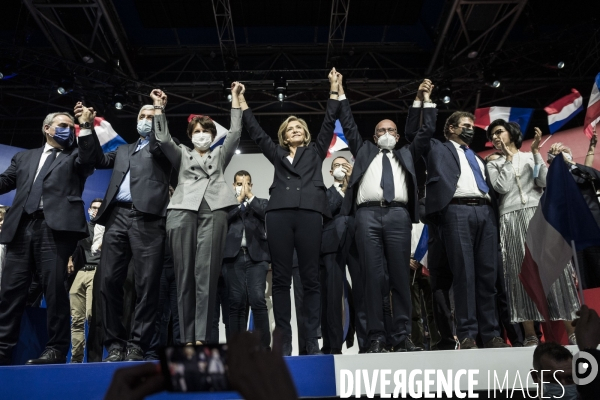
x: 171, y: 247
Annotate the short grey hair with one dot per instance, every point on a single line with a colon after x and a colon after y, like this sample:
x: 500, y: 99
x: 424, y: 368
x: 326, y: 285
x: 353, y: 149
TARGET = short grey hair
x: 50, y: 117
x: 146, y: 107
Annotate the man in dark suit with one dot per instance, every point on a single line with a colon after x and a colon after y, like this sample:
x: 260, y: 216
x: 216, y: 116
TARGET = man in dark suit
x: 588, y: 182
x: 42, y: 228
x: 461, y: 204
x: 338, y: 250
x: 246, y: 260
x: 382, y: 195
x: 133, y: 213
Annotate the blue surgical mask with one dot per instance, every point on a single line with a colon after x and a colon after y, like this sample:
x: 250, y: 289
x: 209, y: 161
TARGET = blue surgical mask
x: 64, y: 136
x: 144, y: 127
x: 557, y: 391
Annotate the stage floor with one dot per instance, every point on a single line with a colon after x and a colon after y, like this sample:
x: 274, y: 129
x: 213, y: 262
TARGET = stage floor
x: 315, y: 376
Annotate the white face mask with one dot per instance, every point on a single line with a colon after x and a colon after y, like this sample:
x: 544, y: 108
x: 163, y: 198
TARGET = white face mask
x: 144, y: 126
x: 386, y: 141
x: 202, y: 140
x: 339, y: 173
x: 238, y: 190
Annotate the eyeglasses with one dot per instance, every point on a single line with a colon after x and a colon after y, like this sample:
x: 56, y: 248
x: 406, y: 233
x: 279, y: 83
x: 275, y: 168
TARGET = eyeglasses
x: 337, y: 165
x: 382, y: 131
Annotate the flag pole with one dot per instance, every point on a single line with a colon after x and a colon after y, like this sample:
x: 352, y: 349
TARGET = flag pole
x: 544, y: 142
x: 576, y: 263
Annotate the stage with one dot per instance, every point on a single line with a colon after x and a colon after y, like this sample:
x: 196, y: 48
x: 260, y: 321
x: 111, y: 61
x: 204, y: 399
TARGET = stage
x: 315, y: 376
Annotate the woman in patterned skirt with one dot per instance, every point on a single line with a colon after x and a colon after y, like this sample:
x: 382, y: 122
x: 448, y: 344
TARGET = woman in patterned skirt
x: 520, y: 178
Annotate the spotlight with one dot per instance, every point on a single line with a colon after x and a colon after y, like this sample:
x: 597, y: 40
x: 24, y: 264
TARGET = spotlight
x: 119, y: 99
x: 87, y: 59
x: 119, y: 105
x: 1, y: 75
x: 61, y: 90
x: 238, y: 151
x: 229, y: 97
x: 491, y: 80
x: 280, y: 87
x: 227, y: 89
x: 66, y: 86
x: 446, y: 99
x: 495, y: 84
x: 472, y: 54
x: 560, y: 65
x: 446, y: 93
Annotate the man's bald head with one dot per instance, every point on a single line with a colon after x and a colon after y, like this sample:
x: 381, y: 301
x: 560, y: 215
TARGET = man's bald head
x: 385, y: 123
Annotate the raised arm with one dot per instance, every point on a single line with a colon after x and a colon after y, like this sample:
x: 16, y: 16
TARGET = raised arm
x: 160, y: 138
x: 413, y: 121
x: 355, y: 140
x: 8, y: 179
x: 260, y: 137
x: 421, y: 133
x: 502, y: 176
x: 232, y: 140
x: 89, y: 143
x: 333, y: 105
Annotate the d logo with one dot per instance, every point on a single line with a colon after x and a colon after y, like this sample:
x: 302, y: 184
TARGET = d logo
x: 585, y: 368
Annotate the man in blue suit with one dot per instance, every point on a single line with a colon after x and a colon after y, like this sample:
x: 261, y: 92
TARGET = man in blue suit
x: 462, y: 205
x: 382, y: 196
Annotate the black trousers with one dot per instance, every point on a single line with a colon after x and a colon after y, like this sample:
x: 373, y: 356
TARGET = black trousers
x: 470, y: 236
x: 299, y: 306
x: 383, y: 239
x: 290, y: 229
x: 421, y: 295
x: 221, y: 309
x: 166, y: 315
x: 440, y: 278
x: 36, y: 247
x: 246, y: 279
x: 589, y: 266
x: 131, y: 235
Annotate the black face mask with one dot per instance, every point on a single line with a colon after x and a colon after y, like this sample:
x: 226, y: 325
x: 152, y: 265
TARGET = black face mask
x: 467, y: 135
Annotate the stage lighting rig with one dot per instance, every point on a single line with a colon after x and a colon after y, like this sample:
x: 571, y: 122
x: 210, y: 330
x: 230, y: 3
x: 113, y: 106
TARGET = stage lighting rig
x: 280, y: 88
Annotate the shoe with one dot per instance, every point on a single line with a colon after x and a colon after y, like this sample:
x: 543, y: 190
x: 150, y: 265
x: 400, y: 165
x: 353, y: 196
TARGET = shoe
x: 312, y: 347
x: 49, y: 356
x: 114, y: 355
x: 572, y: 339
x: 134, y: 354
x: 531, y: 341
x: 286, y: 348
x: 496, y: 343
x: 467, y: 343
x: 406, y: 345
x: 377, y: 346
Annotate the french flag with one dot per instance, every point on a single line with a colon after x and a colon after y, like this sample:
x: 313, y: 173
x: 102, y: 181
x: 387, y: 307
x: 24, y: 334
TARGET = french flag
x: 485, y: 116
x: 109, y: 139
x: 338, y: 142
x: 422, y: 247
x: 562, y: 216
x: 592, y: 115
x: 563, y: 110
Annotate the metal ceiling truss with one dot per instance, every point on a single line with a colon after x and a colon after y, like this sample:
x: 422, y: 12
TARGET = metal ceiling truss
x: 337, y: 31
x: 225, y: 31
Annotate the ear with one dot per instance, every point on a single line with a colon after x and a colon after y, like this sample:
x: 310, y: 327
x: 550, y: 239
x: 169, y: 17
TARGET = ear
x: 375, y: 138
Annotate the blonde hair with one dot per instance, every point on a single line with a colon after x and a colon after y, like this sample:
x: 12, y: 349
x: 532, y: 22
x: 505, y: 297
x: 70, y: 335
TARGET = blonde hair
x: 283, y: 127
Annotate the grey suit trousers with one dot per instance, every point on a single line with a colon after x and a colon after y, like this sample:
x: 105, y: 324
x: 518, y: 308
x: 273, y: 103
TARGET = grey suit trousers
x: 197, y: 242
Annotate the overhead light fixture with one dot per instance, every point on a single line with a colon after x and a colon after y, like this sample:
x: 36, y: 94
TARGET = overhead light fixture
x: 119, y: 99
x: 229, y: 97
x: 87, y: 59
x: 491, y: 80
x: 1, y: 76
x: 446, y: 99
x: 495, y: 84
x: 227, y: 89
x: 280, y: 88
x: 560, y: 65
x: 446, y: 93
x: 472, y: 54
x: 65, y: 86
x: 238, y: 151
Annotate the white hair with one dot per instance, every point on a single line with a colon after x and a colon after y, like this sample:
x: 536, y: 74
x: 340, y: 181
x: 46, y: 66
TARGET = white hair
x: 146, y: 107
x: 50, y: 118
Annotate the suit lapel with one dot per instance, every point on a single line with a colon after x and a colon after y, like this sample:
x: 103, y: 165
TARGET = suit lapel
x: 60, y: 157
x: 408, y: 166
x: 286, y: 163
x: 452, y: 150
x: 299, y: 152
x: 198, y: 159
x: 35, y: 162
x: 373, y: 151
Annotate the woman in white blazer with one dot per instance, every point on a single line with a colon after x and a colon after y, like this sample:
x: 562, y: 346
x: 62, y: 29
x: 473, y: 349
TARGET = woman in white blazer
x: 197, y: 213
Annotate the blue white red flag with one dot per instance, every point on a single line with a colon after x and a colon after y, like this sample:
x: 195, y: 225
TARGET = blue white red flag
x: 338, y: 142
x: 562, y: 216
x: 592, y: 115
x: 485, y: 116
x: 109, y: 139
x: 563, y: 110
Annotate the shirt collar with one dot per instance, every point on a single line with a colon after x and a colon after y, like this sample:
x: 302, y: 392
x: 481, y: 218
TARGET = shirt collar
x: 456, y: 145
x: 48, y: 147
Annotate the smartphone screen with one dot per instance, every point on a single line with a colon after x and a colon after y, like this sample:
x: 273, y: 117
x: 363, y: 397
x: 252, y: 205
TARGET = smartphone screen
x: 195, y: 368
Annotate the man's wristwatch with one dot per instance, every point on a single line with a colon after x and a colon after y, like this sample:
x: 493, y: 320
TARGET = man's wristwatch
x: 332, y: 92
x: 85, y: 125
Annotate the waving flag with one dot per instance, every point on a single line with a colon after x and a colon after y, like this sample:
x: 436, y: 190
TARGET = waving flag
x: 485, y: 116
x: 563, y: 110
x: 109, y: 139
x: 338, y: 142
x: 561, y: 216
x: 592, y: 115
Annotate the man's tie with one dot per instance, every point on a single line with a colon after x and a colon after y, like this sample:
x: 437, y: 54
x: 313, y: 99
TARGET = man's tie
x: 35, y: 195
x: 481, y: 185
x: 387, y: 178
x: 242, y: 207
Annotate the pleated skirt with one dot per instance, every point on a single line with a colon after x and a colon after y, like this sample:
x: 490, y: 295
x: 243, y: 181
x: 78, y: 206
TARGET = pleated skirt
x: 562, y: 299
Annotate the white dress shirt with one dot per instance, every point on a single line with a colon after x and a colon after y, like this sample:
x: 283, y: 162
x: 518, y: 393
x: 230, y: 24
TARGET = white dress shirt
x: 47, y: 151
x: 338, y: 187
x: 246, y: 204
x: 370, y: 185
x: 467, y: 185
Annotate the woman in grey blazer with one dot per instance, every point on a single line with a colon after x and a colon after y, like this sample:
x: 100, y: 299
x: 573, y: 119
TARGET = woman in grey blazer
x: 197, y: 213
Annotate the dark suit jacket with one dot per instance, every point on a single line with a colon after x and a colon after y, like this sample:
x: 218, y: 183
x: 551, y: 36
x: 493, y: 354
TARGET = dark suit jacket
x: 588, y: 181
x: 253, y: 221
x: 149, y: 177
x: 365, y: 151
x: 443, y: 171
x: 62, y: 188
x: 79, y: 256
x: 297, y: 185
x: 334, y: 230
